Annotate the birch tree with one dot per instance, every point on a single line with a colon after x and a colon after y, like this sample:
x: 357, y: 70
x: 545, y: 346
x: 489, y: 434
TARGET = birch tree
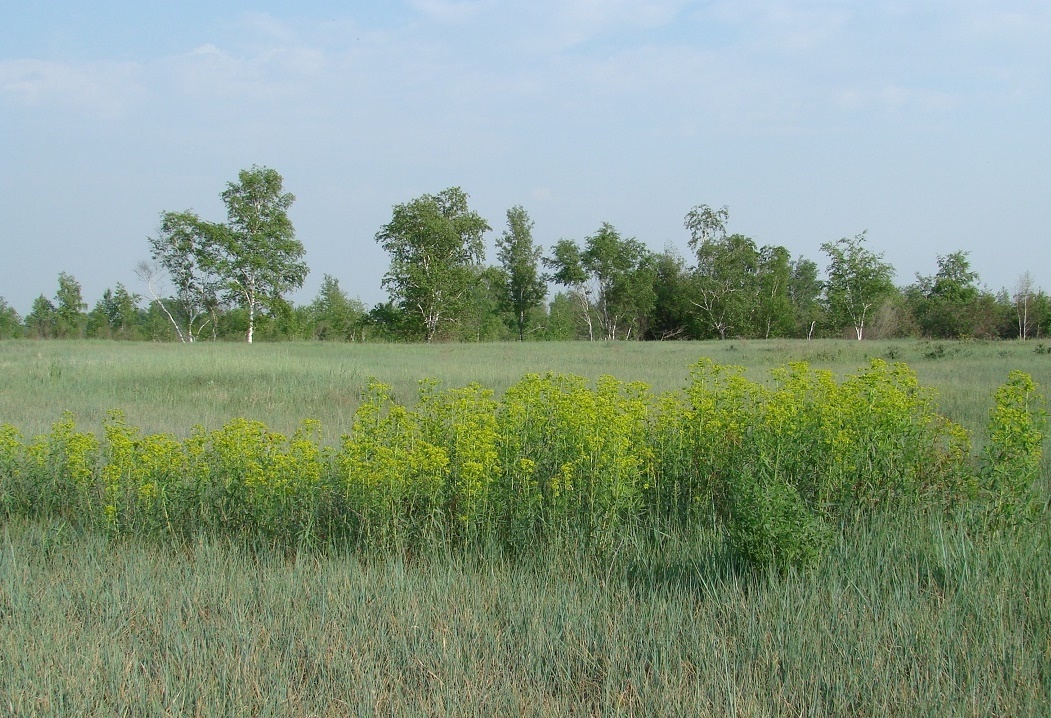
x: 612, y: 278
x: 567, y: 263
x: 180, y: 248
x: 725, y: 283
x: 858, y: 280
x: 436, y: 249
x: 1023, y: 296
x: 251, y: 260
x: 256, y: 253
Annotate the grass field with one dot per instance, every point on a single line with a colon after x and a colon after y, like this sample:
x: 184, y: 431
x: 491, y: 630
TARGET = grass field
x: 171, y: 387
x: 907, y: 615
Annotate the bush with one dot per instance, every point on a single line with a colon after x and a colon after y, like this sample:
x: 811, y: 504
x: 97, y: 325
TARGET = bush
x: 778, y: 466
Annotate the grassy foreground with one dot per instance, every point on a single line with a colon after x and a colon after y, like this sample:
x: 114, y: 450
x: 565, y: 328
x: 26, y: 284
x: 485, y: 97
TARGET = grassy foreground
x: 907, y: 615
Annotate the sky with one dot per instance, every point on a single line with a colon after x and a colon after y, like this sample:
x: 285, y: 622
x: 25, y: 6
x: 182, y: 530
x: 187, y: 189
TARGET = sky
x: 926, y: 123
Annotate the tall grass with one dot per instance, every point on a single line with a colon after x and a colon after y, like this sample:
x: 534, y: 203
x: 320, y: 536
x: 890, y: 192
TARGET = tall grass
x: 908, y: 612
x: 907, y: 616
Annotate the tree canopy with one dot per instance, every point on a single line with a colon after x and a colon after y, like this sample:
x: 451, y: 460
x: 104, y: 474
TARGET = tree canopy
x: 223, y: 280
x: 858, y: 279
x: 436, y: 250
x: 251, y: 260
x: 523, y: 287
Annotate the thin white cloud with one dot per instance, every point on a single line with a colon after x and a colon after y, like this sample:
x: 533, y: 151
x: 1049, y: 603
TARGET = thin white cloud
x: 212, y: 79
x: 1017, y: 22
x: 782, y: 25
x: 100, y: 89
x: 897, y: 98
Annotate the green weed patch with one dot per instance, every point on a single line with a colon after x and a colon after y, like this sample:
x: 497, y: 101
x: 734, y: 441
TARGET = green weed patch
x: 780, y: 466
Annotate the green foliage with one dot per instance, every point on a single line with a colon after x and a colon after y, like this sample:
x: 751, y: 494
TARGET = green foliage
x: 10, y: 321
x: 738, y: 288
x: 725, y: 284
x: 706, y: 224
x: 858, y: 279
x: 789, y: 461
x: 181, y: 249
x: 69, y: 308
x: 41, y: 321
x: 485, y: 317
x: 671, y: 316
x: 392, y: 476
x: 251, y: 260
x: 256, y: 253
x: 565, y: 319
x: 781, y: 466
x: 524, y: 287
x: 1012, y: 457
x: 334, y: 315
x: 435, y: 244
x: 612, y: 278
x: 947, y: 305
x: 116, y: 315
x: 567, y: 263
x: 804, y: 294
x: 623, y: 275
x: 63, y: 319
x: 773, y: 314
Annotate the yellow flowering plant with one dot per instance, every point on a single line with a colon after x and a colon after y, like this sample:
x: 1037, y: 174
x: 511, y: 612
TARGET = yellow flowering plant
x: 779, y: 466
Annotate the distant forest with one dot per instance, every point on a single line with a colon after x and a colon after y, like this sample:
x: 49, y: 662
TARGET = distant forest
x: 211, y: 281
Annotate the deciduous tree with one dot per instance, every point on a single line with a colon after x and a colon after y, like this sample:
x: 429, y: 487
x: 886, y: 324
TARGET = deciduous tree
x: 115, y: 315
x: 256, y: 252
x: 335, y: 315
x: 612, y: 278
x: 1025, y: 289
x: 725, y: 286
x: 945, y: 303
x: 436, y: 249
x: 181, y: 248
x: 858, y: 280
x: 524, y: 289
x: 725, y: 290
x: 705, y: 224
x: 672, y: 313
x: 41, y: 320
x: 773, y: 315
x: 804, y: 293
x: 567, y: 263
x: 10, y: 321
x: 253, y: 258
x: 623, y: 272
x: 70, y: 309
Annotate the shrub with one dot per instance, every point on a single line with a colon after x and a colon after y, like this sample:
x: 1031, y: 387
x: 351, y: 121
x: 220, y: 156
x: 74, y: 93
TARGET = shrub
x: 779, y: 466
x: 1011, y: 459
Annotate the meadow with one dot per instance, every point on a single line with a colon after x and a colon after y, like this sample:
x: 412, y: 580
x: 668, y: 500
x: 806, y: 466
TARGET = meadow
x: 171, y: 387
x: 907, y: 611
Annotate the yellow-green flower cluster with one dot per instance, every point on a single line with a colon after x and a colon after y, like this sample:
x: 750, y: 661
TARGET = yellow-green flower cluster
x: 1011, y: 459
x: 779, y: 464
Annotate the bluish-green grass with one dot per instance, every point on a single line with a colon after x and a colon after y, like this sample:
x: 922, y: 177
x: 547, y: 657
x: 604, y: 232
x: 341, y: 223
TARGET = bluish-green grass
x: 171, y: 387
x: 909, y: 614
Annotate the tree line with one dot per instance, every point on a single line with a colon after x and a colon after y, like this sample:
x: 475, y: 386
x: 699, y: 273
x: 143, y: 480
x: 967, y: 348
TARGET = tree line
x: 210, y: 280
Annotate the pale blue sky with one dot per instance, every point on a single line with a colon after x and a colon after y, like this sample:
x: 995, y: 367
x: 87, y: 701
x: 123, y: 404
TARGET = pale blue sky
x: 925, y: 122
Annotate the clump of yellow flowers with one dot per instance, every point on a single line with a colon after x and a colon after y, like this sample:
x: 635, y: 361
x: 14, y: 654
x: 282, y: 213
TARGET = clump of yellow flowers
x: 778, y: 465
